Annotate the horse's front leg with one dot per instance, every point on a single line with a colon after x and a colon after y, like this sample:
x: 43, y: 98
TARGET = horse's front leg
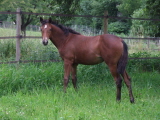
x: 67, y: 70
x: 74, y: 75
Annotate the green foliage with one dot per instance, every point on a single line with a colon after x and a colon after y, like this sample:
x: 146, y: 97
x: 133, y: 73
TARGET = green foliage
x: 65, y: 6
x: 118, y: 27
x: 34, y: 50
x: 49, y: 6
x: 153, y: 10
x: 96, y: 8
x: 152, y: 7
x: 122, y: 8
x: 36, y: 6
x: 100, y: 6
x: 141, y: 27
x: 30, y: 91
x: 127, y: 7
x: 31, y: 49
x: 21, y: 77
x: 144, y: 64
x: 26, y: 77
x: 7, y: 49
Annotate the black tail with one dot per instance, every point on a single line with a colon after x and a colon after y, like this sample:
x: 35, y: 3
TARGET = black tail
x: 123, y: 59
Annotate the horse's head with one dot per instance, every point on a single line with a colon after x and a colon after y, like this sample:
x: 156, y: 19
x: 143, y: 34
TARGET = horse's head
x: 46, y: 30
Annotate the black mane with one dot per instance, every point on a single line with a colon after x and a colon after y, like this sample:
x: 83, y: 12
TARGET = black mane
x: 66, y: 30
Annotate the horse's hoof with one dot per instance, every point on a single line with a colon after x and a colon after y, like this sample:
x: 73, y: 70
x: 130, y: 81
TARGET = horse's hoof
x: 132, y: 100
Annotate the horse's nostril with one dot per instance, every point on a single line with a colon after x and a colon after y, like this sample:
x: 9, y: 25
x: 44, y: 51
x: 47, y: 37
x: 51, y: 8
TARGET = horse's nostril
x: 45, y: 42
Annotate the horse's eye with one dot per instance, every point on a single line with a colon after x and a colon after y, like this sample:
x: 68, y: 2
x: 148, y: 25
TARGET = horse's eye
x: 50, y: 29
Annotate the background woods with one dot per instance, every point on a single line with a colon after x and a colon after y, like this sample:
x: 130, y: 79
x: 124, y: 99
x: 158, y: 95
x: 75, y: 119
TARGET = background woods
x: 122, y: 8
x: 43, y: 6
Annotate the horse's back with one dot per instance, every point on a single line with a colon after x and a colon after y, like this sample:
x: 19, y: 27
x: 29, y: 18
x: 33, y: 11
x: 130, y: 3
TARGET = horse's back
x: 111, y: 40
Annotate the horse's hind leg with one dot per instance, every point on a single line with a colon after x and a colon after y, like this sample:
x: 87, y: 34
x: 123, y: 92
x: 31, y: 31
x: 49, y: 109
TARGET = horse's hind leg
x: 118, y: 80
x: 127, y: 81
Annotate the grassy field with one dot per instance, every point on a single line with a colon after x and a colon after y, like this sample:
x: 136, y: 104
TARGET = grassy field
x: 35, y: 92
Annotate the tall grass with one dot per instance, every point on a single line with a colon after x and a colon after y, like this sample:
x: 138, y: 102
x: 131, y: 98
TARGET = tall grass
x: 31, y: 49
x: 35, y: 91
x: 21, y: 77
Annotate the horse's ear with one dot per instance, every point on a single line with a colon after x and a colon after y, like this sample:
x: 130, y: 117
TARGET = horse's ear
x: 41, y: 19
x: 50, y: 20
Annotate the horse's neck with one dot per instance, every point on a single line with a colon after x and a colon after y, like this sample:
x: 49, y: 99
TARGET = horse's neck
x: 58, y: 38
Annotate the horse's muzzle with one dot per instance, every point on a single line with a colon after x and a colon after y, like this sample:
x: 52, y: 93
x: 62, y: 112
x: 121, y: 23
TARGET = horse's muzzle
x: 45, y: 42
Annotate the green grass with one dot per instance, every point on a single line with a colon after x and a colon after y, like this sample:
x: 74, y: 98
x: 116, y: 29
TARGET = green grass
x: 5, y: 32
x: 35, y: 92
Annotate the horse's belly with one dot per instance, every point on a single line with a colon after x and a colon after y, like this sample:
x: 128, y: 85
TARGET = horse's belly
x: 89, y: 60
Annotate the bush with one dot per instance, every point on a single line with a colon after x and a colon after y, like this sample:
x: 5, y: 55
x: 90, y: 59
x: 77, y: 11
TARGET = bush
x: 7, y: 50
x: 140, y: 27
x: 143, y: 64
x: 118, y: 27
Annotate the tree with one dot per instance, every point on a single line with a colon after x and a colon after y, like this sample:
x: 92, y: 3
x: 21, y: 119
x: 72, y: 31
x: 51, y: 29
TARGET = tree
x: 96, y: 8
x: 142, y: 27
x: 42, y: 6
x: 100, y: 6
x: 153, y: 11
x: 127, y: 7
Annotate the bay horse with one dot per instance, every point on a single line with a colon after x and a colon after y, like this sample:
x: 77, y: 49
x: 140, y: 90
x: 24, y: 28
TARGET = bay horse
x: 75, y: 49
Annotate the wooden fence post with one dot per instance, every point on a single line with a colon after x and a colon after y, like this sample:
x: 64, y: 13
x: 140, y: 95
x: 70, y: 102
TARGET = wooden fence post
x: 105, y: 24
x: 18, y: 33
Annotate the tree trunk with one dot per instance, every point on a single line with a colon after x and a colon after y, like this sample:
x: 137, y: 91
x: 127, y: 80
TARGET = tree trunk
x: 26, y: 20
x: 23, y: 30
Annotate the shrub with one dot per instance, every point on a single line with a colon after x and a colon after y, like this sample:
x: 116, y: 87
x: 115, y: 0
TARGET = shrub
x: 118, y: 27
x: 140, y: 27
x: 143, y: 64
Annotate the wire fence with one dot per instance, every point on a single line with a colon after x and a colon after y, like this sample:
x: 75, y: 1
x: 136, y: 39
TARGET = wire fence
x: 128, y: 39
